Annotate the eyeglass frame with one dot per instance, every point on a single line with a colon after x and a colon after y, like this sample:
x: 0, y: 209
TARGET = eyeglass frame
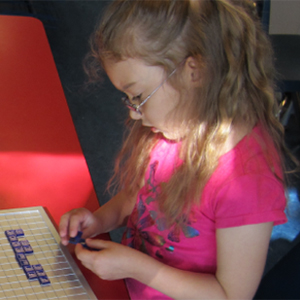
x: 136, y: 107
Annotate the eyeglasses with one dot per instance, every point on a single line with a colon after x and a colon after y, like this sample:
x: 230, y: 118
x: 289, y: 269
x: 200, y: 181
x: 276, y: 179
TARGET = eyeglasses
x: 136, y: 107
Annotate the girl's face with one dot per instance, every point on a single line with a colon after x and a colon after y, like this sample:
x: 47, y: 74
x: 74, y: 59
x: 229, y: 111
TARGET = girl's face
x: 138, y: 80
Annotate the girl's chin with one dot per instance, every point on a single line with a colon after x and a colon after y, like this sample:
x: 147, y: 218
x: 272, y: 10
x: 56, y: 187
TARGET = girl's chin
x: 167, y: 135
x: 155, y: 130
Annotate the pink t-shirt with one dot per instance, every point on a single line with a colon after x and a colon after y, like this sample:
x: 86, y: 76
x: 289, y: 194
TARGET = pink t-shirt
x: 241, y: 191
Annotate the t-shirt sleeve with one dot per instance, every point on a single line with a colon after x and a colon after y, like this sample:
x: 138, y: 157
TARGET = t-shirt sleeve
x: 250, y: 199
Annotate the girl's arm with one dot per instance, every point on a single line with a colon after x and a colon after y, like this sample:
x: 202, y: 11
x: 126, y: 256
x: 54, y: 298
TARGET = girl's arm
x: 241, y: 258
x: 115, y: 212
x: 110, y: 216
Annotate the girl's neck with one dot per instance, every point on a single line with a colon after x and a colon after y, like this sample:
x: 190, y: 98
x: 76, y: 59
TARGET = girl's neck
x: 238, y: 132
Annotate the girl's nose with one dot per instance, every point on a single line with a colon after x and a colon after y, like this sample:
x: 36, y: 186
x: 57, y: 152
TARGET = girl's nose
x: 134, y: 115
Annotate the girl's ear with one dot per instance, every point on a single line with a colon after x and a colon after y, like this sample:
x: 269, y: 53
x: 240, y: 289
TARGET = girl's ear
x: 192, y: 71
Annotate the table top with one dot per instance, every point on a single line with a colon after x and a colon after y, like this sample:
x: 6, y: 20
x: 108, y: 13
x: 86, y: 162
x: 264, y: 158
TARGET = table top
x: 41, y: 160
x: 40, y: 156
x: 34, y: 264
x: 30, y: 82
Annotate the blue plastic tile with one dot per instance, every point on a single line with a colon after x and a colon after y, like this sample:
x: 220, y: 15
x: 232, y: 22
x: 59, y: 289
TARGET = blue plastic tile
x: 19, y: 232
x: 28, y: 249
x: 38, y: 267
x: 31, y: 275
x: 44, y: 280
x: 24, y: 262
x: 41, y: 273
x: 16, y: 244
x: 20, y: 256
x: 77, y: 239
x: 28, y: 268
x: 18, y: 250
x: 24, y: 243
x: 12, y: 238
x: 9, y: 232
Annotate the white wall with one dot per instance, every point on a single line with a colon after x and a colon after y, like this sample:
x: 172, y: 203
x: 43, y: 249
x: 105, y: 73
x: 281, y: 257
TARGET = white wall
x: 285, y: 17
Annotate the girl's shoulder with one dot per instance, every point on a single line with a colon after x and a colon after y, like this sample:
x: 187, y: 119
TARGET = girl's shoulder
x: 244, y: 189
x: 254, y: 158
x: 255, y: 149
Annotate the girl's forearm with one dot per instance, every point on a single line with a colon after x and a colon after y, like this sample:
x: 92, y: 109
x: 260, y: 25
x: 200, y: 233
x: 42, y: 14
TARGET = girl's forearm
x: 115, y: 212
x: 175, y: 283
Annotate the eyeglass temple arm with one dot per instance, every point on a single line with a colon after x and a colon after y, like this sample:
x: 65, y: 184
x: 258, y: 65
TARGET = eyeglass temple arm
x: 157, y: 88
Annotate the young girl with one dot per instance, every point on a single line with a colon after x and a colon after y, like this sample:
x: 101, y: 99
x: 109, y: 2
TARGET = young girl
x: 200, y: 174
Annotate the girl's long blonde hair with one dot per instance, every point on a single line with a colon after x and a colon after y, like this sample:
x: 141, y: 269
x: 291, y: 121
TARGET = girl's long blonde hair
x: 237, y: 83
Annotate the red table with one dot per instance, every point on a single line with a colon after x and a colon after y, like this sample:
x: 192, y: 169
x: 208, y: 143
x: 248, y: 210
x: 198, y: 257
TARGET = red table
x: 41, y: 161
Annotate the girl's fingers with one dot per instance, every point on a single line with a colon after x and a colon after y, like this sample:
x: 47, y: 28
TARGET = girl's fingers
x: 84, y: 254
x: 97, y: 244
x: 63, y: 225
x: 71, y: 223
x: 75, y: 224
x: 64, y: 228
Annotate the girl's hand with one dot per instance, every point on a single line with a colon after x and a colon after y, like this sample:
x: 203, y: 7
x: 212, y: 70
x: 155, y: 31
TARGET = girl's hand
x: 76, y: 220
x: 112, y: 262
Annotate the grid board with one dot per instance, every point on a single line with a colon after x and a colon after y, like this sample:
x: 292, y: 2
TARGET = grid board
x: 67, y: 281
